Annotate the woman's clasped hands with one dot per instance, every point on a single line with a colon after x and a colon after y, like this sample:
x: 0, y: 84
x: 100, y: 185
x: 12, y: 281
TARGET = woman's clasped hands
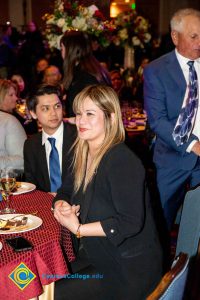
x: 67, y: 215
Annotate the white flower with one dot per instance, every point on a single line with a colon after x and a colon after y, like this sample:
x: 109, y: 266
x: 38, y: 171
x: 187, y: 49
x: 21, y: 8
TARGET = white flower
x: 85, y: 12
x: 93, y: 23
x: 123, y: 34
x: 142, y: 23
x: 50, y: 21
x: 52, y: 40
x: 58, y: 41
x: 83, y: 19
x: 147, y: 37
x: 61, y: 22
x: 100, y: 27
x: 136, y: 41
x: 92, y: 9
x: 65, y: 28
x: 61, y: 7
x: 79, y: 23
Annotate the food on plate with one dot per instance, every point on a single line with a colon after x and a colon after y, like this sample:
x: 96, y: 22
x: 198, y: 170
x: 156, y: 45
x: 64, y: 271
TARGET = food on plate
x: 17, y: 186
x: 13, y: 223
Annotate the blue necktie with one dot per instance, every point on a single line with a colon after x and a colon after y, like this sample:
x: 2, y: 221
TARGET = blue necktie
x: 185, y: 122
x: 54, y: 166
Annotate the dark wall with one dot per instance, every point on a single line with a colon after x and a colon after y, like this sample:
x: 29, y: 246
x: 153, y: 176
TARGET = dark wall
x: 39, y: 8
x: 3, y: 11
x: 149, y: 9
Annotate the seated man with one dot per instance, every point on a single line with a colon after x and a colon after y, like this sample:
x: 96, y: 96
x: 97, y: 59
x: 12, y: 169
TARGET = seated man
x: 47, y: 153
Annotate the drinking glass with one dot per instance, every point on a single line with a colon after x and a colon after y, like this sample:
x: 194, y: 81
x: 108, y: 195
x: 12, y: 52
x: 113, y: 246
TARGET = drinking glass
x: 7, y: 184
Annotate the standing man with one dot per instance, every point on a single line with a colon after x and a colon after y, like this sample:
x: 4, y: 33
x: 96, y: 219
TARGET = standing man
x: 171, y: 92
x: 47, y: 153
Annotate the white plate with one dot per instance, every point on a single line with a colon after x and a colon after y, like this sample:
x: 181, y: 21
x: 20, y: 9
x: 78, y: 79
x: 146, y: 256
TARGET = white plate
x: 25, y: 188
x: 1, y: 246
x: 32, y: 223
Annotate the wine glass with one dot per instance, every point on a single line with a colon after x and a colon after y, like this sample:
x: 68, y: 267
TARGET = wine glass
x: 7, y: 184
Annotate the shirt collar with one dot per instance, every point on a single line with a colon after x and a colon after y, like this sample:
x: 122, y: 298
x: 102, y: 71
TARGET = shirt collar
x: 183, y: 60
x: 56, y: 134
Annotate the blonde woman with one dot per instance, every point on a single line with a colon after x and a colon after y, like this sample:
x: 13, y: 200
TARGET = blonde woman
x: 11, y: 132
x: 109, y: 210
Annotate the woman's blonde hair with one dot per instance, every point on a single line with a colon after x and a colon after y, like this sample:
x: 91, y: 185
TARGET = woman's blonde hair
x: 107, y: 100
x: 5, y: 85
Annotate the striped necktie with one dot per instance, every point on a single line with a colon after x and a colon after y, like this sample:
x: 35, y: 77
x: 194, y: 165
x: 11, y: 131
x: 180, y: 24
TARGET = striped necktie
x: 185, y: 122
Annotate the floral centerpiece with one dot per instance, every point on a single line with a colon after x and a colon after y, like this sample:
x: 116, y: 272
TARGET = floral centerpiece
x: 69, y: 15
x: 132, y: 29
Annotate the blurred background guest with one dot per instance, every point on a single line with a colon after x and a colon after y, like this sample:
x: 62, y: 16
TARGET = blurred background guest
x: 7, y: 32
x: 38, y: 72
x: 139, y: 80
x: 16, y: 106
x: 32, y: 49
x: 7, y: 57
x: 19, y: 81
x: 11, y: 131
x: 80, y: 67
x: 52, y: 75
x: 124, y: 92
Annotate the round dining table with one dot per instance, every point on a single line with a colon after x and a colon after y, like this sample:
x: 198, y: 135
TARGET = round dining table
x: 46, y: 262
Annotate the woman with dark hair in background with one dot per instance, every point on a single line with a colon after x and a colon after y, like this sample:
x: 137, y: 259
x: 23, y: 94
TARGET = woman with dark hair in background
x: 80, y: 66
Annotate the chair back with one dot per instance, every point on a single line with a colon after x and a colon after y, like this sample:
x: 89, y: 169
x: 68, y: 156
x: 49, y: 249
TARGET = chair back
x: 189, y: 229
x: 172, y: 285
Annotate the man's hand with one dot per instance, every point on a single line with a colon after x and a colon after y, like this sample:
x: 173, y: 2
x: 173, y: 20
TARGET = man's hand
x: 196, y: 148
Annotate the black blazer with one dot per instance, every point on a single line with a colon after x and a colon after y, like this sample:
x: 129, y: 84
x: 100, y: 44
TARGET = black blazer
x: 118, y: 198
x: 35, y: 162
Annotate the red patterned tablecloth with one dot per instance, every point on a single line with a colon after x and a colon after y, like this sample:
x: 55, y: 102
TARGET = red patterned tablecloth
x: 47, y: 256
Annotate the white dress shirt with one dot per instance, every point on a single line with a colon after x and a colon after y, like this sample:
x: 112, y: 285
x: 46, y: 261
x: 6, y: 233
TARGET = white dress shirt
x: 58, y: 135
x: 185, y: 68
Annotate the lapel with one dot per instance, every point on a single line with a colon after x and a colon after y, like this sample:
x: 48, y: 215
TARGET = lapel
x: 87, y: 198
x: 43, y: 163
x: 64, y: 148
x: 68, y: 140
x: 174, y: 69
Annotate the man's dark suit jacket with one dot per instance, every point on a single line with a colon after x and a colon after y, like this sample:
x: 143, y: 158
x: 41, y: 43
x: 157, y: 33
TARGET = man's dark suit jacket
x: 35, y: 162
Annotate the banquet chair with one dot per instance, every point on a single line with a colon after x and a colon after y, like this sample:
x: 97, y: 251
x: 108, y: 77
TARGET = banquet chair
x: 172, y: 285
x: 189, y: 229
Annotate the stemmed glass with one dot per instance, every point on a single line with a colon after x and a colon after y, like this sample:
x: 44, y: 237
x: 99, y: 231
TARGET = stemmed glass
x: 7, y: 184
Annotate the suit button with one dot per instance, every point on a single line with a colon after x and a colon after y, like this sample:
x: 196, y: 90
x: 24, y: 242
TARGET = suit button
x: 112, y: 230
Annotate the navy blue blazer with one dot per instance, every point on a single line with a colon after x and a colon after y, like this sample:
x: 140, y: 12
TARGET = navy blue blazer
x: 164, y: 91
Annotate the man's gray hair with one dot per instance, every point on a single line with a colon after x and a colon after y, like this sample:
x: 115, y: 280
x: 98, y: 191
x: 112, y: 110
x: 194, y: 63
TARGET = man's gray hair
x: 177, y: 18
